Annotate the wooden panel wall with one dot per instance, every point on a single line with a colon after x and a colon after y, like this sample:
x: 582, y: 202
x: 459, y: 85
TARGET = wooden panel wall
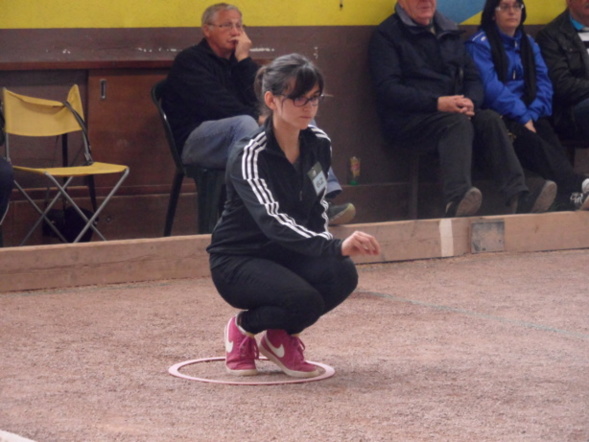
x: 45, y: 62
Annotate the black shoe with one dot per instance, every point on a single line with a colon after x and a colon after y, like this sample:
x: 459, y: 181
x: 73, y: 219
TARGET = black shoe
x: 468, y: 205
x: 539, y: 200
x: 341, y: 213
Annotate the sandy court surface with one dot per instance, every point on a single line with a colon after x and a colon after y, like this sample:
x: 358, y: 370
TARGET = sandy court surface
x: 489, y: 347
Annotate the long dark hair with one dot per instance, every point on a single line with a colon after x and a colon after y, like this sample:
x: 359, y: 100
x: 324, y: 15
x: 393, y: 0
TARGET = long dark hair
x: 277, y: 77
x: 500, y: 60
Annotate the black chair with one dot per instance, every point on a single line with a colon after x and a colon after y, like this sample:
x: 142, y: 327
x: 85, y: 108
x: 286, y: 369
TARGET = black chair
x: 210, y: 183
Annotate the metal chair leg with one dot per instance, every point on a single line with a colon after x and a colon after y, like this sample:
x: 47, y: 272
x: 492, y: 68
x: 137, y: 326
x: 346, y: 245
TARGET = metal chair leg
x: 210, y: 187
x: 173, y: 202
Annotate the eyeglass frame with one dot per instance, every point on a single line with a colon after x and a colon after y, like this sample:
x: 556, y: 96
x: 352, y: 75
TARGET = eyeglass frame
x: 224, y: 27
x: 314, y: 100
x: 517, y: 7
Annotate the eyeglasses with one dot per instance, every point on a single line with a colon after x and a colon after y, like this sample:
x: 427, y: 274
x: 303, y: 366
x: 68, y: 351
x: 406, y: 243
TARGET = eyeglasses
x: 302, y: 100
x: 516, y: 7
x: 224, y: 27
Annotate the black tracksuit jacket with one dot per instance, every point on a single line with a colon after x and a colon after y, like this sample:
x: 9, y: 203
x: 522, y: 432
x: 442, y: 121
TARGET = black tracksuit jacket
x: 273, y: 205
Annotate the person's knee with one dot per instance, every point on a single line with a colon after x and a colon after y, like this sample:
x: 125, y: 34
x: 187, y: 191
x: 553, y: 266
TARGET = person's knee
x: 338, y: 273
x: 581, y: 113
x: 582, y: 106
x: 307, y: 310
x: 343, y: 282
x: 460, y: 122
x: 244, y: 126
x: 348, y: 276
x: 486, y: 118
x: 455, y: 138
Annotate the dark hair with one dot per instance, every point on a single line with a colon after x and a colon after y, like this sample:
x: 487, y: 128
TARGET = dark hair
x: 500, y: 60
x: 292, y: 75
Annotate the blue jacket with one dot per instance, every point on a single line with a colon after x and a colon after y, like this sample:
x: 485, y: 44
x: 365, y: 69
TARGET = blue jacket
x: 507, y: 98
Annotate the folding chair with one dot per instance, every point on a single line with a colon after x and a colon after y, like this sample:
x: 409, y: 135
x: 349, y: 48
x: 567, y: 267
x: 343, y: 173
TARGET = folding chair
x: 210, y: 183
x: 36, y: 117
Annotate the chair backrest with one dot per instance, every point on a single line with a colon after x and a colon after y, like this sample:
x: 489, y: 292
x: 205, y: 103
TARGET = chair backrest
x: 38, y: 117
x: 156, y: 96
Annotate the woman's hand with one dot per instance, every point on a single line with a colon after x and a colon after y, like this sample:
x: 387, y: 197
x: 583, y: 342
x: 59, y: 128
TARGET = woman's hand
x: 360, y: 243
x: 530, y: 126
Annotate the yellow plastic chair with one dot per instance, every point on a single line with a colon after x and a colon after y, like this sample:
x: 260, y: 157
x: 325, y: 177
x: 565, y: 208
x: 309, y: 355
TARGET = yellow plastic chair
x: 37, y: 117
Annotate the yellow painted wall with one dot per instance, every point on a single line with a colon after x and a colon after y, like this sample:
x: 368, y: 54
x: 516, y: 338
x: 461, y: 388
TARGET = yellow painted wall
x: 16, y: 14
x: 538, y: 11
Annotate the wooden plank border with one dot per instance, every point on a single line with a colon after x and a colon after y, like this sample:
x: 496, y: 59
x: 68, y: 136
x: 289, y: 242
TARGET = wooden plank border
x: 124, y: 261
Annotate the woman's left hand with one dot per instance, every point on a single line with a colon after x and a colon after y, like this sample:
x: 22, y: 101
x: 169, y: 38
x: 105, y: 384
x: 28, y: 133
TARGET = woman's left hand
x: 360, y: 243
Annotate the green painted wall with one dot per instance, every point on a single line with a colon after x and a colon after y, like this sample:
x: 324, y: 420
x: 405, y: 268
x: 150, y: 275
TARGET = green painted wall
x: 17, y: 14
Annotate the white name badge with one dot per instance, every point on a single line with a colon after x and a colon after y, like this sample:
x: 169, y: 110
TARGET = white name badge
x: 318, y: 178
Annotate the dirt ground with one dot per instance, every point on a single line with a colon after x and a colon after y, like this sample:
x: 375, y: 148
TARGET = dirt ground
x: 489, y: 347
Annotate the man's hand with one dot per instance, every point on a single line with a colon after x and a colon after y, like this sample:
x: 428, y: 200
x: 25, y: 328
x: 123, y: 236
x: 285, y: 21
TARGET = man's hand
x: 458, y: 104
x: 242, y: 45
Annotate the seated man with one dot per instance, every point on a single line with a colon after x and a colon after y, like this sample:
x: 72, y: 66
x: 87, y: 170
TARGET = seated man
x: 428, y: 96
x: 210, y: 100
x: 564, y: 43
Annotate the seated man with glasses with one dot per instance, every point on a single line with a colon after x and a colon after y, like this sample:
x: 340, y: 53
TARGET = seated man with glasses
x: 210, y: 100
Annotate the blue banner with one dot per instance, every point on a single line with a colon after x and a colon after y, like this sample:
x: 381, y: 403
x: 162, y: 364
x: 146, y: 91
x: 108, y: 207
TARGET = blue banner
x: 460, y: 10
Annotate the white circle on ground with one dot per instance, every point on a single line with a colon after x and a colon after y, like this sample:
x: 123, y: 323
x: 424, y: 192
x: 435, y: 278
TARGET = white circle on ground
x: 174, y: 370
x: 6, y: 436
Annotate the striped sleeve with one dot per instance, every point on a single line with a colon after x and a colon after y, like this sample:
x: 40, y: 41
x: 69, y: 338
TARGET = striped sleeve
x: 251, y: 183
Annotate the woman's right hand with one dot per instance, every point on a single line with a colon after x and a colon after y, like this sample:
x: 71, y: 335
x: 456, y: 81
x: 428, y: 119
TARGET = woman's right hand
x: 530, y: 126
x: 360, y: 243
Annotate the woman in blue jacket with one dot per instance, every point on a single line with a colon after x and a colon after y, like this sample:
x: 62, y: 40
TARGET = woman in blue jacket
x: 271, y: 253
x: 517, y: 86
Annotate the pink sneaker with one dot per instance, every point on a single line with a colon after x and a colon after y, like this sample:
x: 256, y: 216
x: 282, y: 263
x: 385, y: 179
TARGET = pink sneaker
x: 241, y: 350
x: 286, y: 351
